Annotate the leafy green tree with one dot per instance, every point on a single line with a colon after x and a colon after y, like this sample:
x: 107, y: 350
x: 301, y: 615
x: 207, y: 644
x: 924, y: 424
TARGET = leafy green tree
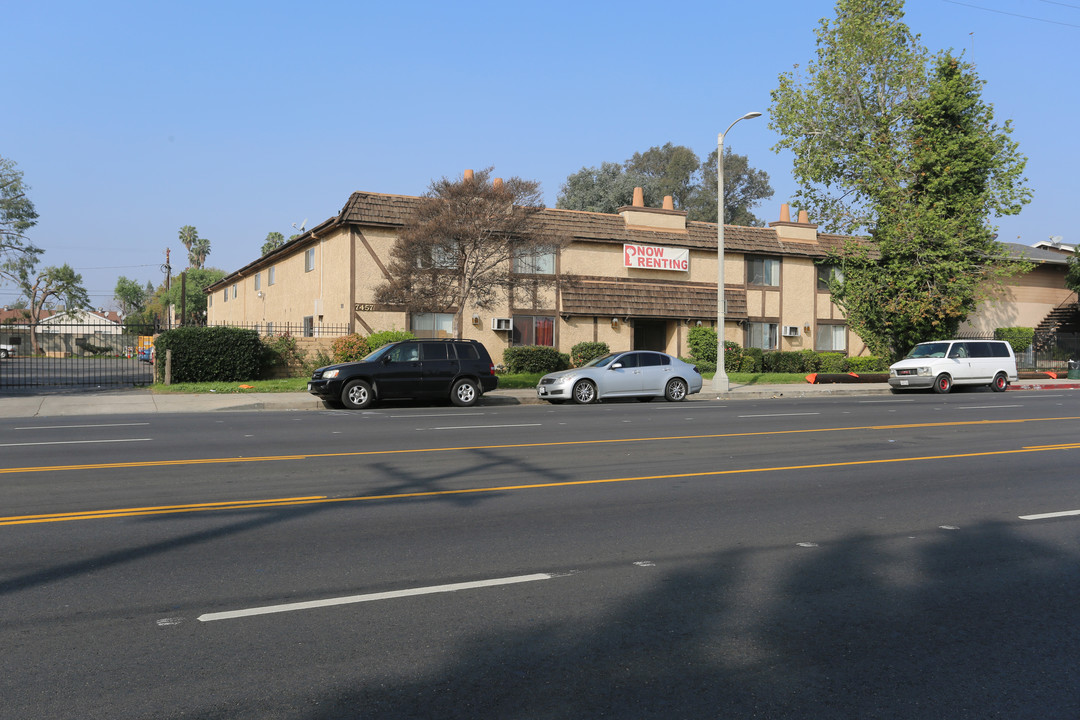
x: 1072, y: 275
x: 130, y: 295
x: 670, y: 170
x: 605, y: 189
x: 844, y: 118
x: 458, y: 248
x: 17, y: 214
x: 744, y: 187
x: 892, y: 143
x: 45, y: 289
x: 198, y: 279
x: 273, y: 241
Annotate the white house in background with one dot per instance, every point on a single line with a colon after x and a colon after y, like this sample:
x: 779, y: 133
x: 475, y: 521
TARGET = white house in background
x: 81, y: 322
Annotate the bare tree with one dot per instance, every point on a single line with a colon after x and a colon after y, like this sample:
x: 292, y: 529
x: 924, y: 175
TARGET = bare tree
x: 462, y: 244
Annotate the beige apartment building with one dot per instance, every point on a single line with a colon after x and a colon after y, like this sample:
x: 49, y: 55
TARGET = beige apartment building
x: 637, y: 279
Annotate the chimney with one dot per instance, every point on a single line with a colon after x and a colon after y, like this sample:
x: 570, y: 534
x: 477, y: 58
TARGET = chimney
x: 800, y: 232
x: 639, y: 217
x: 468, y: 176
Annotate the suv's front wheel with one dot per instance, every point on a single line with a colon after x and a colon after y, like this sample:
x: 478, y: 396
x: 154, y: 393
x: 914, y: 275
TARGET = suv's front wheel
x: 357, y: 395
x: 464, y: 393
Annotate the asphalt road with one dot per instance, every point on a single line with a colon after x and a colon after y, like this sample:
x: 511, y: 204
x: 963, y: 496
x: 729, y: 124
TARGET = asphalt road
x: 882, y: 557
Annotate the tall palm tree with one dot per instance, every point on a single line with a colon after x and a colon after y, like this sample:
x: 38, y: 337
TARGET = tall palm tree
x: 188, y: 236
x: 200, y: 248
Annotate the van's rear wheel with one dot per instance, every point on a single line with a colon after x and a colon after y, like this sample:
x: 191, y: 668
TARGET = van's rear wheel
x: 1000, y: 383
x: 942, y: 384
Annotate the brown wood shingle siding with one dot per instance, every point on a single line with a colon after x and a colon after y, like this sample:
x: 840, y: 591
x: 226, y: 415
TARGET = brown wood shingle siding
x: 619, y: 297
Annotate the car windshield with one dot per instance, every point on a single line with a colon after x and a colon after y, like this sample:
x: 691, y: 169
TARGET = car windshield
x: 602, y: 361
x: 377, y: 353
x: 929, y: 350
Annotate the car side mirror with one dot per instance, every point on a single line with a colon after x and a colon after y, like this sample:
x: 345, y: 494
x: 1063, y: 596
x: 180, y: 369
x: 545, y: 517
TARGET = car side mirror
x: 616, y: 366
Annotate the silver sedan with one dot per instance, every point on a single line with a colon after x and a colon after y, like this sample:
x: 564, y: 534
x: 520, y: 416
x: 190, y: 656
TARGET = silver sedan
x: 638, y: 373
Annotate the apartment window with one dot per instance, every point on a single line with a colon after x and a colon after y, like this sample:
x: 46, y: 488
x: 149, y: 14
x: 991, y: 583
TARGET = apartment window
x: 432, y: 325
x: 825, y: 273
x: 209, y: 301
x: 234, y: 290
x: 270, y: 276
x: 309, y: 326
x: 831, y: 338
x: 443, y: 256
x: 761, y: 335
x: 258, y: 281
x: 225, y: 295
x: 309, y: 259
x: 763, y: 271
x: 534, y: 261
x: 533, y: 330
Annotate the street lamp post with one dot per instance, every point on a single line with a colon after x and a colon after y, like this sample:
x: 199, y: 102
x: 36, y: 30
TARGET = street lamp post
x: 720, y: 379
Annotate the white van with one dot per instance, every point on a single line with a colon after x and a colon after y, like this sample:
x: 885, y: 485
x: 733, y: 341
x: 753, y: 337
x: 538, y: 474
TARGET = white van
x: 944, y: 363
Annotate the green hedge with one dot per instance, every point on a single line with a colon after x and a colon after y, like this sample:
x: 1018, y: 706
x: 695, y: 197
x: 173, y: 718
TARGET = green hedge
x: 377, y: 339
x: 583, y: 352
x: 868, y: 364
x: 534, y: 359
x: 702, y: 342
x: 210, y: 354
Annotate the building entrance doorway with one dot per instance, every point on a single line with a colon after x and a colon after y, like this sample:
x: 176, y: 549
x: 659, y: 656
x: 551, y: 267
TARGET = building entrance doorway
x: 650, y: 335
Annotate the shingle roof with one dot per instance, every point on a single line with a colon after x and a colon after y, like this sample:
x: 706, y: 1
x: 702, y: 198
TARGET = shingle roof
x: 365, y: 208
x: 622, y: 297
x: 1017, y: 251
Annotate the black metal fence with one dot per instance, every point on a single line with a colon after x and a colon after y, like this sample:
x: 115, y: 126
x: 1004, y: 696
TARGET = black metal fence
x: 44, y: 354
x: 300, y: 329
x: 1048, y: 353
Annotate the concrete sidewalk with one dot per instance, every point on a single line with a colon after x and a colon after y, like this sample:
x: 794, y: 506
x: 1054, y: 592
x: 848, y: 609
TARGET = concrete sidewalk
x: 76, y: 401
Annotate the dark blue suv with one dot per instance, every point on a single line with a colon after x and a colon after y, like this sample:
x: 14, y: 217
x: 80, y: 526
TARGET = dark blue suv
x: 458, y: 369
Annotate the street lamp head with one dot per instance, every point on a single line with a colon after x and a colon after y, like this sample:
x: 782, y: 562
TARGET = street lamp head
x: 750, y: 115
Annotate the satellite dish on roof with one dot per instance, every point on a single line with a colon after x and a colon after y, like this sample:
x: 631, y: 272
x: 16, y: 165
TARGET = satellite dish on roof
x: 1056, y: 239
x: 302, y: 226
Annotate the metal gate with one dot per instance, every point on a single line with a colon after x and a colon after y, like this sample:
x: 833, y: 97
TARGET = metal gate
x: 56, y: 354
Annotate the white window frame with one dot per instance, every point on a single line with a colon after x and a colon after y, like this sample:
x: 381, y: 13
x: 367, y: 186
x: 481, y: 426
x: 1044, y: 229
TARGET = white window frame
x: 309, y: 260
x: 270, y: 276
x: 258, y: 281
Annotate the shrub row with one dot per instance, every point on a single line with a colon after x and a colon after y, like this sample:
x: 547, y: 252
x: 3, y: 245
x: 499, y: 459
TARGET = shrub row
x: 534, y: 359
x: 702, y: 342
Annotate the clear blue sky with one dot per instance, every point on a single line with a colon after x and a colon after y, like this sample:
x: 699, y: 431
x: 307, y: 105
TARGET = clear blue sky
x: 131, y: 119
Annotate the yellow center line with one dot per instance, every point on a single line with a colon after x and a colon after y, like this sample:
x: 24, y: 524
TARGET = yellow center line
x: 318, y: 500
x: 565, y: 443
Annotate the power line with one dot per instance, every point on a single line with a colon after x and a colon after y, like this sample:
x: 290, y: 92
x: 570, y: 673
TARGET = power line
x: 1002, y: 12
x: 1055, y: 2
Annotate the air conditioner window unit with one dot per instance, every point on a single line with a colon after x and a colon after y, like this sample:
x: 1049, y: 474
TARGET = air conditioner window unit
x: 502, y: 323
x: 791, y: 331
